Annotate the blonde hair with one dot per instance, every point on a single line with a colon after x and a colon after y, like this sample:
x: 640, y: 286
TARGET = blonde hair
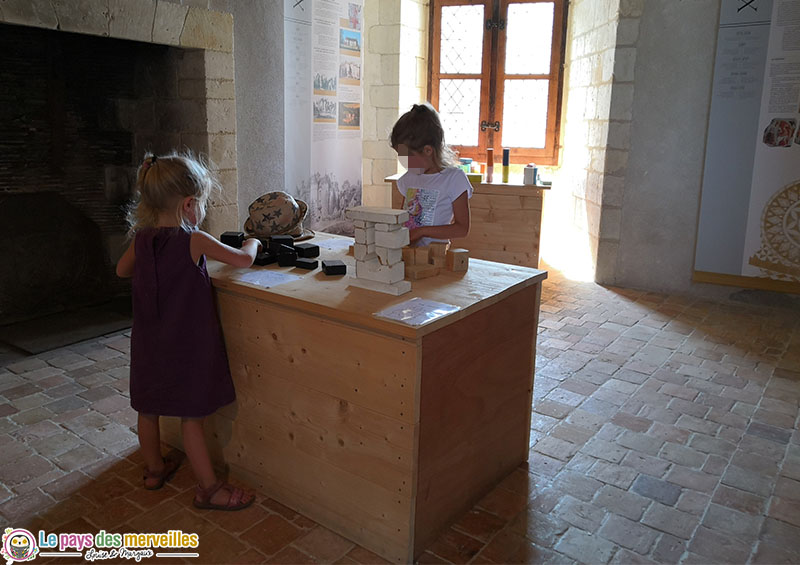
x: 421, y: 126
x: 163, y: 180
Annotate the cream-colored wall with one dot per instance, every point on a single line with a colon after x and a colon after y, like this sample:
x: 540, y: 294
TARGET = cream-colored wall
x: 571, y: 224
x: 664, y: 169
x: 395, y: 77
x: 619, y: 139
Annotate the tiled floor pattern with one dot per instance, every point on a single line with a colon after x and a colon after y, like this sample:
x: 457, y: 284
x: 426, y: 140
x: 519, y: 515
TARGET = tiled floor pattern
x: 665, y: 430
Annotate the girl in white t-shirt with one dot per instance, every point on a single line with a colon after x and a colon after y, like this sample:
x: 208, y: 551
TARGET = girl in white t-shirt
x: 435, y: 192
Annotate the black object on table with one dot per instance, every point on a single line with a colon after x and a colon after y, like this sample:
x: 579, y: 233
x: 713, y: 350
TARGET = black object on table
x: 306, y: 263
x: 334, y: 267
x: 307, y: 250
x: 232, y: 238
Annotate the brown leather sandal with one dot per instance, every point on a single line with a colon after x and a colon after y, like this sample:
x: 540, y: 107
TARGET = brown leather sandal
x: 237, y: 498
x: 169, y: 470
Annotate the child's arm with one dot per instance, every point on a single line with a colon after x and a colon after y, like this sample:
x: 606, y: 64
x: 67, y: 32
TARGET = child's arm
x: 459, y: 227
x: 125, y: 263
x: 204, y: 244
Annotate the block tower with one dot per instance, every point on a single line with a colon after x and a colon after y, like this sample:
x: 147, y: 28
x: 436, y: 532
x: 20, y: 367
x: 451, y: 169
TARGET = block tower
x: 380, y: 237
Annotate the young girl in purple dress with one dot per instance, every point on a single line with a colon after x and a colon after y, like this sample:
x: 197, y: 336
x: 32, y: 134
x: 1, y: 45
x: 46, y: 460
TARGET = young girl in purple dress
x: 178, y: 362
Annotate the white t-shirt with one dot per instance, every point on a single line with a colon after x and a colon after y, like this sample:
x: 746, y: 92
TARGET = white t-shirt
x: 429, y: 198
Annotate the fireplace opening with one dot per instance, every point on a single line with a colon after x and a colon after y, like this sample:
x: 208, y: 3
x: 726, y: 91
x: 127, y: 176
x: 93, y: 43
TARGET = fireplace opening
x: 77, y: 114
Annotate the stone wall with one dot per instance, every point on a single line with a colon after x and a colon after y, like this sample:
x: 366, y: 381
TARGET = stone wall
x: 674, y: 64
x: 78, y: 112
x: 571, y: 223
x: 260, y: 138
x: 618, y: 143
x: 208, y: 70
x: 395, y: 77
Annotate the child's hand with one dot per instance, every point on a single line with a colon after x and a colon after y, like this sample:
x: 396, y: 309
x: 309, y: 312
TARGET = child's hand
x: 415, y: 233
x: 204, y: 244
x: 248, y: 247
x: 259, y: 245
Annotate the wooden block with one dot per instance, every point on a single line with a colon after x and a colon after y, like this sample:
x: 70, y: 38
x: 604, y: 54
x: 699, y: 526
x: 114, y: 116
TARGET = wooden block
x: 392, y: 239
x: 307, y: 250
x: 389, y: 256
x: 365, y: 235
x: 373, y: 270
x: 417, y: 272
x: 396, y: 289
x: 359, y: 223
x: 350, y: 250
x: 458, y: 260
x: 387, y: 227
x: 364, y: 252
x: 408, y: 255
x: 334, y: 267
x: 306, y: 263
x: 421, y: 255
x: 439, y: 249
x: 440, y: 262
x: 374, y: 214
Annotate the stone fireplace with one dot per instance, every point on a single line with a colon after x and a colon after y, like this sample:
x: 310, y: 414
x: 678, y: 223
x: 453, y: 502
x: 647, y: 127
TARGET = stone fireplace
x: 86, y: 92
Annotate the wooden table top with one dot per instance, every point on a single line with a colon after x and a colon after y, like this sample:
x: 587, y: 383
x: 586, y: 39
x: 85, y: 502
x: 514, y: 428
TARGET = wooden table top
x: 315, y: 293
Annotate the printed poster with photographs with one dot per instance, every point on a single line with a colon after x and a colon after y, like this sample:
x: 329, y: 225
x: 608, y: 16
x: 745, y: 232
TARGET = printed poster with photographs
x: 323, y: 65
x: 749, y: 222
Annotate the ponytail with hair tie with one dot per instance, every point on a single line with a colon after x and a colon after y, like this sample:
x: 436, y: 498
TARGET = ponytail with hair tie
x: 149, y: 162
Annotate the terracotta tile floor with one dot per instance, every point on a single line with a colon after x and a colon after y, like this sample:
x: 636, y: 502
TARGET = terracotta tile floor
x: 665, y: 429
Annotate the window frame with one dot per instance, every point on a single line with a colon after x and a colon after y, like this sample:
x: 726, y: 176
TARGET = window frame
x: 493, y: 80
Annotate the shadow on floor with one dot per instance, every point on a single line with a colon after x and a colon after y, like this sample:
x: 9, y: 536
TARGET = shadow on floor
x: 65, y: 328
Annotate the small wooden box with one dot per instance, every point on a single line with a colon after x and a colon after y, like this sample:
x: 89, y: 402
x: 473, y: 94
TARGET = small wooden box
x: 457, y: 260
x: 419, y: 272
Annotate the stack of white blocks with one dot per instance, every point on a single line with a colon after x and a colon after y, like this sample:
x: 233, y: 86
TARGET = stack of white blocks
x: 380, y: 237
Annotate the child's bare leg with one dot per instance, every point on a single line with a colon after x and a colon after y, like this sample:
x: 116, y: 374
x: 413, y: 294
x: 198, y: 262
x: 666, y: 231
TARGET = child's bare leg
x: 194, y: 442
x: 150, y: 442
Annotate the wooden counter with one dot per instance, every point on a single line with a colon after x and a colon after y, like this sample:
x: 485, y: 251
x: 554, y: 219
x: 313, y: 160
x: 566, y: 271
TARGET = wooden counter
x: 506, y: 221
x: 381, y: 432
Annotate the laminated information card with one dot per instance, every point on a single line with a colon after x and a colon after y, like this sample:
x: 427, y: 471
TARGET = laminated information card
x: 417, y: 311
x: 264, y: 277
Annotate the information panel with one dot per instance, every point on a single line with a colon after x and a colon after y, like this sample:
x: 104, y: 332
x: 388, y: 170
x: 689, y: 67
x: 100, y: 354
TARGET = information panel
x: 748, y: 224
x: 323, y: 41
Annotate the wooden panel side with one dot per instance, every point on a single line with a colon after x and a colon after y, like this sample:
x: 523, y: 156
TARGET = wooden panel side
x: 359, y: 510
x: 514, y: 221
x: 537, y: 307
x: 474, y: 409
x: 355, y: 439
x: 324, y: 420
x: 504, y: 228
x: 504, y: 201
x: 362, y: 368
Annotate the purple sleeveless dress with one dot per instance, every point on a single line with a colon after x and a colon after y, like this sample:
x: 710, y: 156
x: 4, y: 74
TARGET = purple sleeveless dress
x: 178, y: 362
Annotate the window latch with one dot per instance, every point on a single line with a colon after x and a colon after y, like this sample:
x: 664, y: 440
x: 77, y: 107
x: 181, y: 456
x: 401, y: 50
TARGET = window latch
x: 485, y: 124
x: 495, y: 24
